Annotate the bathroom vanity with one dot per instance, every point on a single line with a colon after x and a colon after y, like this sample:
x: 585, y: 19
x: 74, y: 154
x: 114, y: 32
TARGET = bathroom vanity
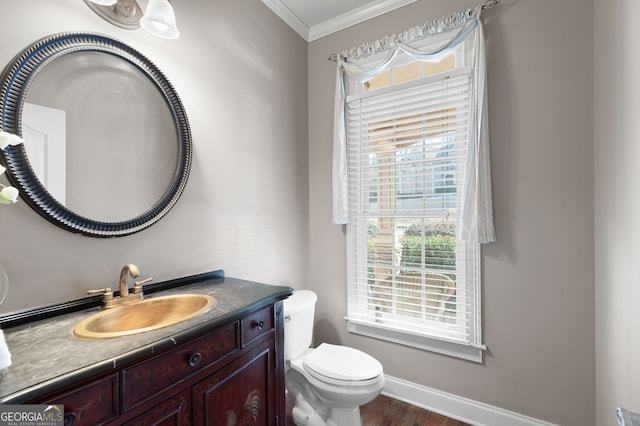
x: 224, y: 367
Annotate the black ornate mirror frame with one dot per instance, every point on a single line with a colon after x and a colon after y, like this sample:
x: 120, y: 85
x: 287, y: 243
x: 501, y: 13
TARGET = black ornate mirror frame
x: 16, y: 80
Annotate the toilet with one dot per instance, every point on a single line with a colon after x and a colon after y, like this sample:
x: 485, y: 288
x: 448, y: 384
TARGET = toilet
x: 330, y: 382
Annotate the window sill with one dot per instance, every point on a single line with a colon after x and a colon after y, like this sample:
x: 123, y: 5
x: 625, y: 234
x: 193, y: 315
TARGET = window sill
x: 457, y: 350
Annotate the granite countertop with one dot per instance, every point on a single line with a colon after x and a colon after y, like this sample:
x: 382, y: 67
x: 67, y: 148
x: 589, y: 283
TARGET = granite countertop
x: 46, y: 355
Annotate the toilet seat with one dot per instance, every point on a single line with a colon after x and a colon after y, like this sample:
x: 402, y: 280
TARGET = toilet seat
x: 342, y: 366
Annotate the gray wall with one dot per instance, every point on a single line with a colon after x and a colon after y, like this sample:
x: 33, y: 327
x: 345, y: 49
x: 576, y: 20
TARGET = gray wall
x: 538, y: 276
x: 242, y: 76
x: 617, y: 178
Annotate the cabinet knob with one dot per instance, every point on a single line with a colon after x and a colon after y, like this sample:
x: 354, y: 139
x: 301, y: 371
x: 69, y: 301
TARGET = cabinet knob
x: 69, y: 419
x: 195, y: 359
x: 260, y: 325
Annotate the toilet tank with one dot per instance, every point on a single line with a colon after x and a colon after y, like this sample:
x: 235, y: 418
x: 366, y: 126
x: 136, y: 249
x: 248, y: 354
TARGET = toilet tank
x: 299, y: 309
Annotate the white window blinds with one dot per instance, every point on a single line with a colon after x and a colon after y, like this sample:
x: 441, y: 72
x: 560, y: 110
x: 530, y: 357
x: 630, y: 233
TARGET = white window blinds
x: 410, y: 277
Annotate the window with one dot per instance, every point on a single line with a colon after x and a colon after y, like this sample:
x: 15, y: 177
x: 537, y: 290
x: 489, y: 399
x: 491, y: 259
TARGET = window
x: 411, y: 280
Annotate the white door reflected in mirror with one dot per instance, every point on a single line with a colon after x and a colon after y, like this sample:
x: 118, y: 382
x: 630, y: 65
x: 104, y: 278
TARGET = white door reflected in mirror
x: 44, y: 134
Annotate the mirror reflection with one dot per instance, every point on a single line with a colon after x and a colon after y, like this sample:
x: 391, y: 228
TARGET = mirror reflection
x: 116, y: 141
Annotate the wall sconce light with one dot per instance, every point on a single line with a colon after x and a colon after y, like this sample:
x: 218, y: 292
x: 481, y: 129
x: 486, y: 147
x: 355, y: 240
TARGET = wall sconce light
x: 159, y: 18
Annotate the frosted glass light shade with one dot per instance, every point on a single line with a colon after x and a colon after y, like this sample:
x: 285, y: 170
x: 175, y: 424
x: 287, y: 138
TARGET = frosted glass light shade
x: 160, y: 20
x: 104, y: 2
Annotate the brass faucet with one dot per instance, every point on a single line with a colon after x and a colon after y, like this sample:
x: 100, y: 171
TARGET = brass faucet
x: 108, y: 301
x: 129, y: 268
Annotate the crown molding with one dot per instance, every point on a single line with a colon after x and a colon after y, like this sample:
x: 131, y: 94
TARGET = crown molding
x: 284, y: 13
x: 355, y: 17
x: 336, y: 24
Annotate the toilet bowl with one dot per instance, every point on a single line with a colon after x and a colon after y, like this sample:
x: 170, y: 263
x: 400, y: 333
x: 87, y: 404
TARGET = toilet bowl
x: 330, y: 382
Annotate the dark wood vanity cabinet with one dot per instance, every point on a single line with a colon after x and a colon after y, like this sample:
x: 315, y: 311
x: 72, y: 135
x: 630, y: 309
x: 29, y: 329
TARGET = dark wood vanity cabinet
x: 231, y: 375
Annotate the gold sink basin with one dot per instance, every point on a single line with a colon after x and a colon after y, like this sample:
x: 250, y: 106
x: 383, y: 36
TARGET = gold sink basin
x: 144, y: 315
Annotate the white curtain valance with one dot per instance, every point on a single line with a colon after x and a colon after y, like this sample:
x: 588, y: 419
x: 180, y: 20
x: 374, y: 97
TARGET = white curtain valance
x: 429, y: 28
x: 476, y: 220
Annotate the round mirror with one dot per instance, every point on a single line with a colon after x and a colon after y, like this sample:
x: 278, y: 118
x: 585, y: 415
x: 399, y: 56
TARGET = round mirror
x: 107, y: 143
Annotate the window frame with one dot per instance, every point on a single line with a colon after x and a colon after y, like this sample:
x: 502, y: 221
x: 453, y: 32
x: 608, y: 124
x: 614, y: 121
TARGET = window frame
x: 472, y: 349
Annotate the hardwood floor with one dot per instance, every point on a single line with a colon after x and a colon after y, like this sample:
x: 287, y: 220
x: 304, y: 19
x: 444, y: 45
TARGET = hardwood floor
x: 384, y: 411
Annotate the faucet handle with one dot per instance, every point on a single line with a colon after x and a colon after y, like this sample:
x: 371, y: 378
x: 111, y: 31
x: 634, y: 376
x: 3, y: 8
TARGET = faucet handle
x: 137, y: 286
x: 107, y: 294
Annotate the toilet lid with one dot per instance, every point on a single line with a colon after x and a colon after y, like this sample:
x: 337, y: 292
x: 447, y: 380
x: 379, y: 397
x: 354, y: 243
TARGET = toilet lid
x: 342, y: 363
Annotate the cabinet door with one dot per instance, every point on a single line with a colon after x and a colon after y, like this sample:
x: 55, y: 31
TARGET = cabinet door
x: 241, y: 394
x: 175, y: 411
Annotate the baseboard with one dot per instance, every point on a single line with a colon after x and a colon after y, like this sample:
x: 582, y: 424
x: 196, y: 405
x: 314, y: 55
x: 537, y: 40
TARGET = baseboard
x: 455, y: 407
